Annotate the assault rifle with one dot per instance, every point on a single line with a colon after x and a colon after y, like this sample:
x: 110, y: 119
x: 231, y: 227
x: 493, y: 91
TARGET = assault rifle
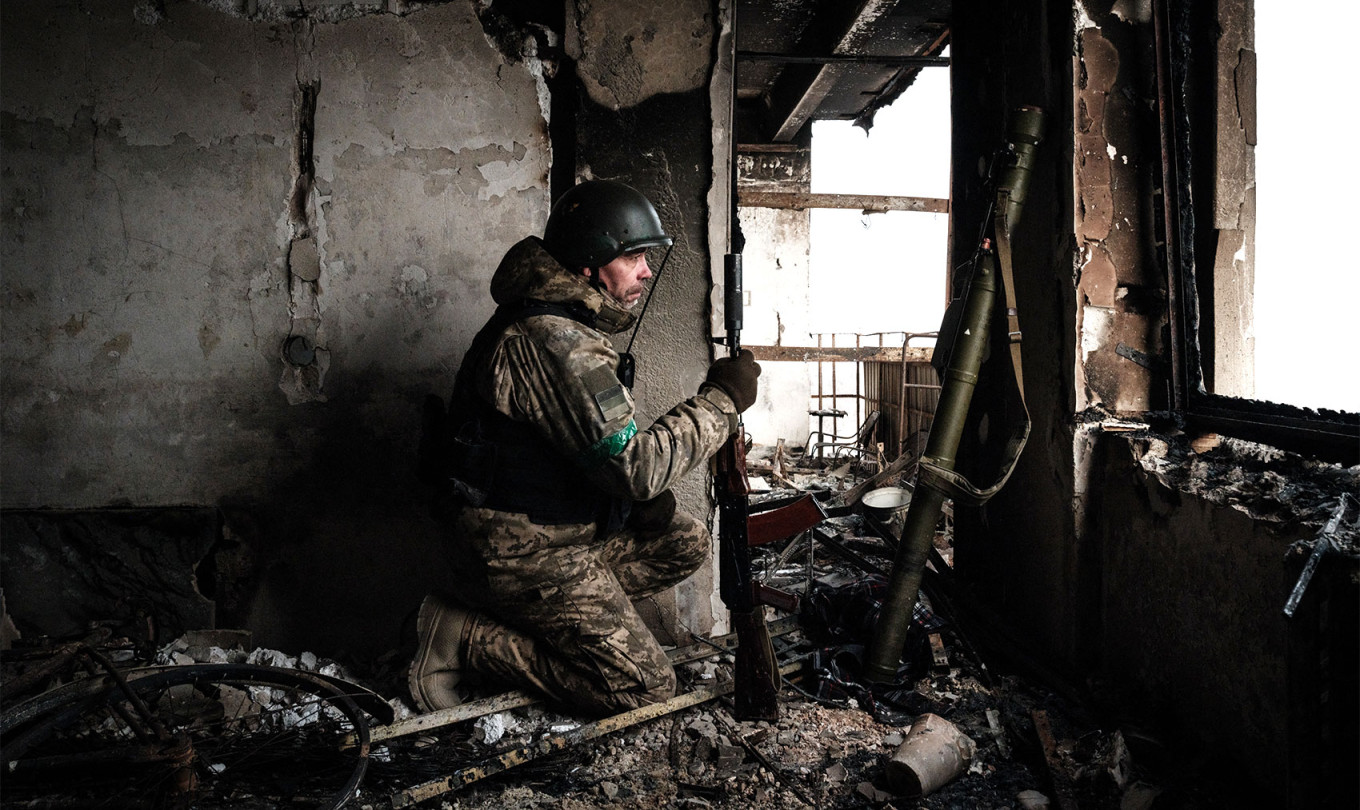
x: 756, y: 679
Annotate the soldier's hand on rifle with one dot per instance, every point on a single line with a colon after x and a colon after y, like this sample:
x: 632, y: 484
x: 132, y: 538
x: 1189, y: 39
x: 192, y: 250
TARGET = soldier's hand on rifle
x: 736, y: 376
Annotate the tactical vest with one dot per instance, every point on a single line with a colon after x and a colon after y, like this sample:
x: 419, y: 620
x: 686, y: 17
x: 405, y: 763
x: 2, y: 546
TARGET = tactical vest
x: 495, y: 462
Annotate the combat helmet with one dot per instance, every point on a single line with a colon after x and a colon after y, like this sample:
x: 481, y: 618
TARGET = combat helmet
x: 599, y: 220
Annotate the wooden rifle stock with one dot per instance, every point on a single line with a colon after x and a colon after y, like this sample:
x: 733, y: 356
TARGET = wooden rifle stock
x: 756, y: 686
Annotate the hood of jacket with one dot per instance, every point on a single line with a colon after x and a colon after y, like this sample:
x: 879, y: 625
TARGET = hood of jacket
x: 528, y: 271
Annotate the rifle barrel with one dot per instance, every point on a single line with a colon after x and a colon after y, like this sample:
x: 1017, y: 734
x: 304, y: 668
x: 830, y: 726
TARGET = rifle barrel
x: 733, y: 304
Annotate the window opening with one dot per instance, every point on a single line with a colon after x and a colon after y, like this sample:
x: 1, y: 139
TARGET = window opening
x: 1306, y: 283
x: 1221, y: 308
x: 880, y: 279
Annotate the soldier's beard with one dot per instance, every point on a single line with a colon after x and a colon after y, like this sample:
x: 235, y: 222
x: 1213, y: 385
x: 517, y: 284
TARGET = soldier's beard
x: 632, y: 296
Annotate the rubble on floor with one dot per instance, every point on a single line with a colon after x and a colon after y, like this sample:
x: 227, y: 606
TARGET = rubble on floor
x: 1031, y: 747
x: 1027, y: 747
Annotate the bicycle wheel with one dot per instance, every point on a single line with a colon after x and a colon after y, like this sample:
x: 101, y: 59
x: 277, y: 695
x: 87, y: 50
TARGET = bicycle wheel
x: 202, y: 736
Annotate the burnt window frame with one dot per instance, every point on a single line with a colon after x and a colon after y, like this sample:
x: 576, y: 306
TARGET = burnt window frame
x: 1186, y: 32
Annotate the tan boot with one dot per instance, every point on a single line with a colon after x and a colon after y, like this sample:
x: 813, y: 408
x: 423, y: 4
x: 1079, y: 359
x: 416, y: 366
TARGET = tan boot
x: 437, y: 667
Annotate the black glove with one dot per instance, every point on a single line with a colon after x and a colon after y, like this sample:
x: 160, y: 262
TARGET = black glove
x: 736, y: 376
x: 654, y: 515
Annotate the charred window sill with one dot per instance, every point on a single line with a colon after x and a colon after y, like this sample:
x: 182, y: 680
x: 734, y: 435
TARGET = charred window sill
x: 1265, y: 482
x: 1324, y: 434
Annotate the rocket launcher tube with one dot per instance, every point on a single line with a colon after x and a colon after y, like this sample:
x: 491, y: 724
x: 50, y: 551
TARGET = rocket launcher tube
x: 956, y: 393
x: 942, y: 447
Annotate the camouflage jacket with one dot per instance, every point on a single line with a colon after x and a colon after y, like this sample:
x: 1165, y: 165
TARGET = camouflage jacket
x: 558, y: 375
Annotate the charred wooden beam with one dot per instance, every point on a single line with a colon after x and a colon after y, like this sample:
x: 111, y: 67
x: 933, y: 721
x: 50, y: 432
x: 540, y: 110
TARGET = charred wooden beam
x: 877, y: 203
x: 1061, y: 783
x: 560, y: 742
x: 854, y: 37
x: 852, y: 59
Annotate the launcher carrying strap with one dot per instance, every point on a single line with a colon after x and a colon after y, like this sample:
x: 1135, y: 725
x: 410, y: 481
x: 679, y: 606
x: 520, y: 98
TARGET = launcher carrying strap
x: 954, y: 484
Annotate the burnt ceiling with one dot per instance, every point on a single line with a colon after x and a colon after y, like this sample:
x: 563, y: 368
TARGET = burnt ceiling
x: 803, y: 60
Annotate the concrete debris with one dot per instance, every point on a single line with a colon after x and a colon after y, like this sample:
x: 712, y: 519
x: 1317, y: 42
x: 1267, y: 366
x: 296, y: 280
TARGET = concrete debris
x: 490, y: 729
x: 729, y: 757
x: 873, y: 794
x: 820, y: 752
x: 272, y: 658
x: 702, y: 727
x: 1139, y: 796
x: 1107, y: 757
x: 999, y: 734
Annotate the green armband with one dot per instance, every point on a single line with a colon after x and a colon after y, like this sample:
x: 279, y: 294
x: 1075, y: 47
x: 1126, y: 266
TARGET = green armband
x: 608, y: 447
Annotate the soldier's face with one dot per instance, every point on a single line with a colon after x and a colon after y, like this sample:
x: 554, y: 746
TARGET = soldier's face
x: 623, y: 277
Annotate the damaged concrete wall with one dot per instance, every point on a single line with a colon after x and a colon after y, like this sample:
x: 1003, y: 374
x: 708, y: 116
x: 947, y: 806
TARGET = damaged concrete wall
x: 139, y: 566
x: 148, y: 233
x: 1194, y: 578
x: 651, y: 129
x: 1232, y: 345
x: 242, y: 241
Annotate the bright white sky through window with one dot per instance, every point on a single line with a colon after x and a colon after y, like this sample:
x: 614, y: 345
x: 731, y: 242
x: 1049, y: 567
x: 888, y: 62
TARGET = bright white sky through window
x: 883, y: 272
x: 1307, y: 275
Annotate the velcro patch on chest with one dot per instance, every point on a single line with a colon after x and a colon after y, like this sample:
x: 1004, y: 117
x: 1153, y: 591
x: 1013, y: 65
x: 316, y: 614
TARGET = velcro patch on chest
x: 608, y: 393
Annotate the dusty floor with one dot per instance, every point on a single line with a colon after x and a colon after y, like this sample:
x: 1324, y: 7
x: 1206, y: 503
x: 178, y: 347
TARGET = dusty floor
x: 816, y: 754
x: 1034, y: 745
x: 821, y: 752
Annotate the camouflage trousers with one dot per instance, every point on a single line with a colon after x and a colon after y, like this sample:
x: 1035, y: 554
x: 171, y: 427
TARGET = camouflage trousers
x: 553, y: 605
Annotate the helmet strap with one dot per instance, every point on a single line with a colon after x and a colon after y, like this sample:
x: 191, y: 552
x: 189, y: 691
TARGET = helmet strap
x: 651, y: 291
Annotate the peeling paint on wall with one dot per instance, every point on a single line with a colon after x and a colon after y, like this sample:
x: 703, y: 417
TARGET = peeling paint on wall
x: 1097, y: 65
x: 155, y: 202
x: 1235, y: 165
x: 630, y: 51
x: 1133, y: 11
x: 1110, y: 256
x: 1099, y: 282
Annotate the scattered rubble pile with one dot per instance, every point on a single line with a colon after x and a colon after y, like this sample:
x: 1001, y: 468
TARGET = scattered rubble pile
x: 1013, y: 744
x: 1028, y: 747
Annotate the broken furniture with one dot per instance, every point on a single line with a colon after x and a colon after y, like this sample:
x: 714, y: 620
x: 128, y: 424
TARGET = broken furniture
x: 822, y: 415
x: 859, y: 442
x: 200, y: 735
